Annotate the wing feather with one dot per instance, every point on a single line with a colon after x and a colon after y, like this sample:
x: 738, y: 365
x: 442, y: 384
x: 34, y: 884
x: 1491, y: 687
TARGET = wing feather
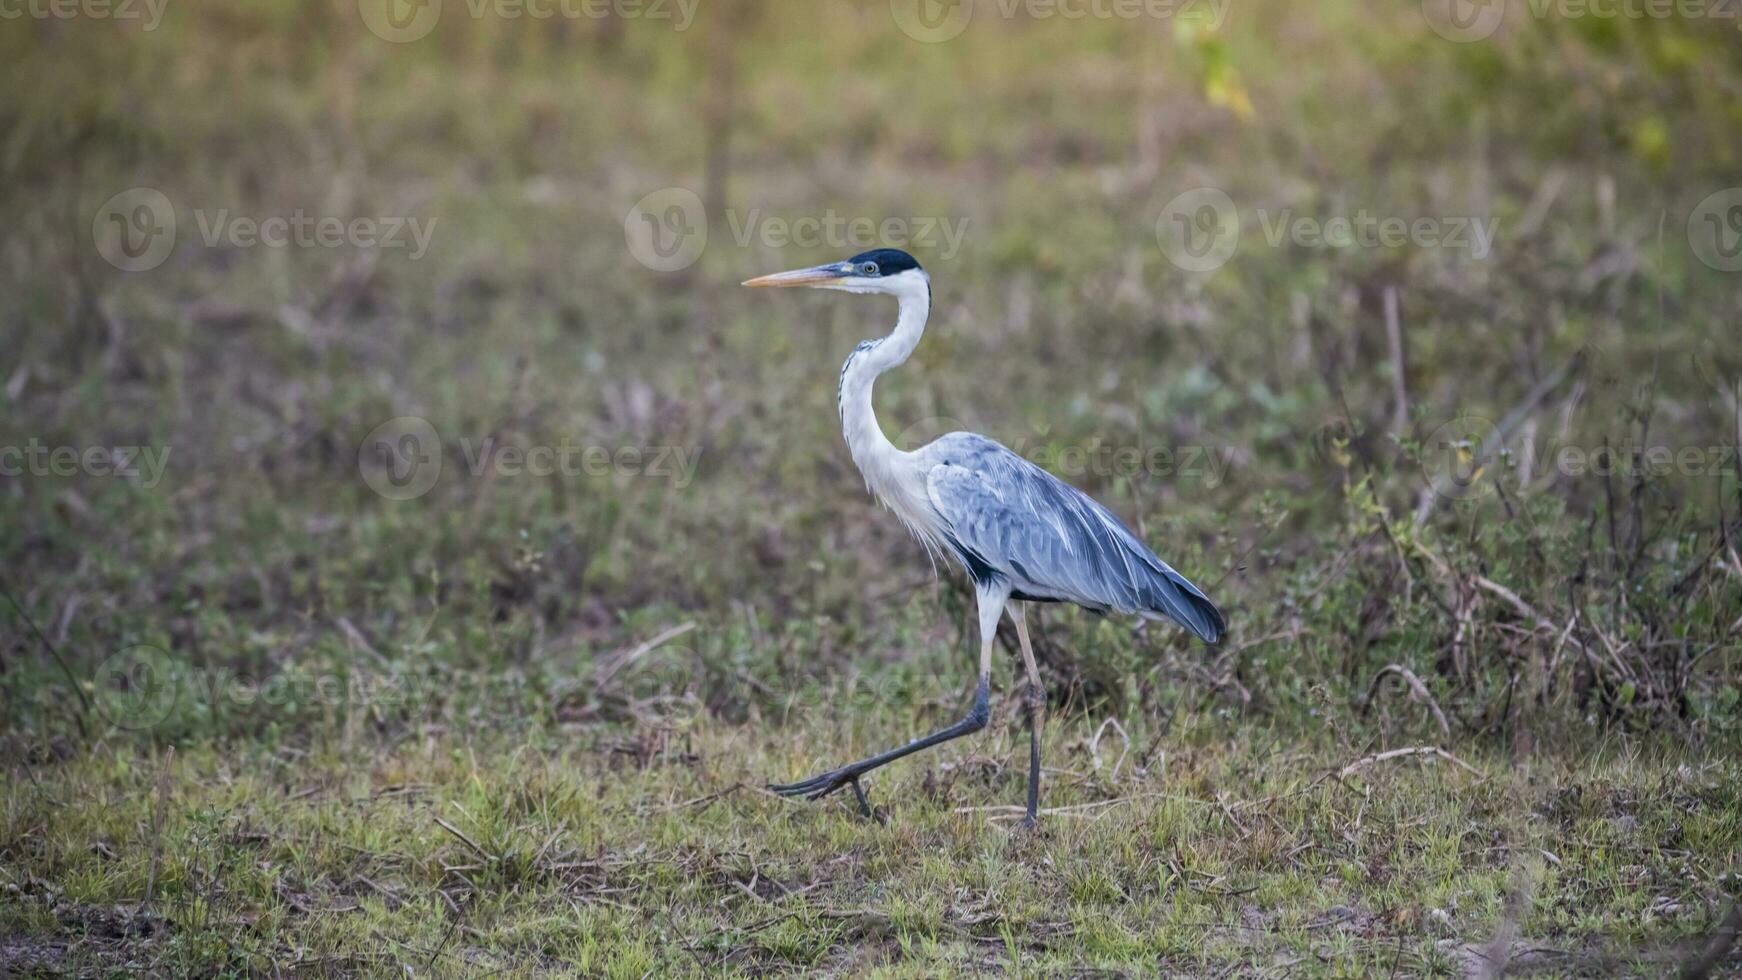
x: 1007, y: 516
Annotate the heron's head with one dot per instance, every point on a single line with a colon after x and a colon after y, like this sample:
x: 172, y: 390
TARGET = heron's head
x: 881, y: 270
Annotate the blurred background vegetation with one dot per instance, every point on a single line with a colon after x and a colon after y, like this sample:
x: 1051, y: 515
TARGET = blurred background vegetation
x: 1324, y: 376
x: 516, y: 721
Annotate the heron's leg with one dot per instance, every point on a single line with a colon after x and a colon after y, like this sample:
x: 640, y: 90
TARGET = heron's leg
x: 991, y: 606
x: 1035, y: 698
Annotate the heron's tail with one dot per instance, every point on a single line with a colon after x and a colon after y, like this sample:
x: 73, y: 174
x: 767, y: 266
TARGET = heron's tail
x: 1169, y: 594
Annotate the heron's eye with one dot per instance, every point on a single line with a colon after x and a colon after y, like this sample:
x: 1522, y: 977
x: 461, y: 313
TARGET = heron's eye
x: 869, y: 269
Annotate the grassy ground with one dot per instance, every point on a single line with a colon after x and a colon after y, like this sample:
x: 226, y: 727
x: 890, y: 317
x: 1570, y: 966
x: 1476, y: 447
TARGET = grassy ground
x: 519, y: 722
x: 658, y: 853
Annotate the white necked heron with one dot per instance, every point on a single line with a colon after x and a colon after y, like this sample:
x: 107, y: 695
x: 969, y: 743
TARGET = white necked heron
x: 1022, y: 534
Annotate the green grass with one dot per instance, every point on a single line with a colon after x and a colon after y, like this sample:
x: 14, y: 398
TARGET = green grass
x: 656, y: 849
x: 336, y: 670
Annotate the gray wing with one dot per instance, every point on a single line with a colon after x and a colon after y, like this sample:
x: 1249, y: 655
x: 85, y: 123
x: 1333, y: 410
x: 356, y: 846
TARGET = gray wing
x: 1008, y: 517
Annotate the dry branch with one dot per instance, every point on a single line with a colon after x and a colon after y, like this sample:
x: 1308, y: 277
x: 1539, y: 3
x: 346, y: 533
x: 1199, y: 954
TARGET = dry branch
x: 1416, y: 686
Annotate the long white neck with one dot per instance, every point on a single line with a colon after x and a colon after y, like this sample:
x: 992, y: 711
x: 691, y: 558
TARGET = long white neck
x: 877, y: 458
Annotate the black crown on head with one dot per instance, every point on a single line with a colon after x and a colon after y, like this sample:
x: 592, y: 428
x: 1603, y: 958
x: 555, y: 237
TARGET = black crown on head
x: 889, y: 260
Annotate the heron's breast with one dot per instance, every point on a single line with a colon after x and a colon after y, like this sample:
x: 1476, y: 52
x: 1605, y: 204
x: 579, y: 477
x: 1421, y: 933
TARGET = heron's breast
x: 899, y: 484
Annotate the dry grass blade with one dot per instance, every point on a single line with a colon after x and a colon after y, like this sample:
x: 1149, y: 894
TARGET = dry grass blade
x: 1095, y: 746
x: 1076, y: 810
x: 610, y: 666
x: 1431, y: 751
x: 469, y: 842
x: 159, y: 814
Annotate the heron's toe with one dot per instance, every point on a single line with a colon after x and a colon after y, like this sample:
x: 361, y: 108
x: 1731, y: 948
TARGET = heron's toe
x: 815, y: 787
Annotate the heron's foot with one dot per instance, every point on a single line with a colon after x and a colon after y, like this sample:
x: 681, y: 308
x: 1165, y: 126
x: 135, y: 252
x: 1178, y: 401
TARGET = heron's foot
x: 819, y: 786
x: 1028, y: 824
